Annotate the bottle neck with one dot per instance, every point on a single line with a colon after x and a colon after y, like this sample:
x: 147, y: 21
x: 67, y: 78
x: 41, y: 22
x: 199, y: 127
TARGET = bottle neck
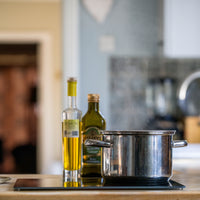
x: 71, y: 101
x: 93, y: 106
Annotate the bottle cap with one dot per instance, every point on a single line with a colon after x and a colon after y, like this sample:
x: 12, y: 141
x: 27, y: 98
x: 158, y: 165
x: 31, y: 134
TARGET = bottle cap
x: 93, y: 97
x: 72, y: 86
x: 72, y: 79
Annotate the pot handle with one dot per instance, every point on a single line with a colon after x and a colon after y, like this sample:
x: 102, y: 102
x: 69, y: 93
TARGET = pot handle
x: 179, y: 143
x: 97, y: 143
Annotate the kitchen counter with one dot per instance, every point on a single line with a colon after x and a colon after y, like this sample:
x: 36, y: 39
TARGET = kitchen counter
x: 189, y: 178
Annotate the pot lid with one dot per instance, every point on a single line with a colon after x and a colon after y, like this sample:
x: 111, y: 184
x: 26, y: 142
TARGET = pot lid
x: 139, y: 132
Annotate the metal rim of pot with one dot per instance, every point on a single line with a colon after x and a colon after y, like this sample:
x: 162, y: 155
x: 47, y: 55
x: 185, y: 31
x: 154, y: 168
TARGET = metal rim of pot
x: 106, y: 144
x: 139, y: 132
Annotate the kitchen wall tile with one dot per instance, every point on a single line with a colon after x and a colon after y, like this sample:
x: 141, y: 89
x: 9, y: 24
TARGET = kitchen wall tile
x: 128, y: 82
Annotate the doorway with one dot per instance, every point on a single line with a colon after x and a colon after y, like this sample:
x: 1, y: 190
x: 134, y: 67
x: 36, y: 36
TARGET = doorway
x: 18, y: 108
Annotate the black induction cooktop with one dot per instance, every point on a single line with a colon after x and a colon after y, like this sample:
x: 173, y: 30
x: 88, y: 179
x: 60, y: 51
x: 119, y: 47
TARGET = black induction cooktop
x: 92, y: 184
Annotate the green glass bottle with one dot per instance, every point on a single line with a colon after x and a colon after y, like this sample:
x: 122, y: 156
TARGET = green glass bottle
x: 92, y: 123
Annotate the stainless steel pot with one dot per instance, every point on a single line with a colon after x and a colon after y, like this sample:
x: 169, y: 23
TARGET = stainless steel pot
x: 137, y: 154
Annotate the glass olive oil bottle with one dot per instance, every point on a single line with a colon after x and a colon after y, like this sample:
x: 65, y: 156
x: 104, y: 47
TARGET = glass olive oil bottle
x: 71, y: 136
x: 92, y: 123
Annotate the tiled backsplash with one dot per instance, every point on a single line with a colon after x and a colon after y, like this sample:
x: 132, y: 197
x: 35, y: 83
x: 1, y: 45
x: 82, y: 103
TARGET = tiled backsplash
x: 128, y: 81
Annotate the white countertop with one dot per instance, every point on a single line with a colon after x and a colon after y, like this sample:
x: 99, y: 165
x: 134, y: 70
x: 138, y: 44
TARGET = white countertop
x: 186, y: 157
x: 191, y: 151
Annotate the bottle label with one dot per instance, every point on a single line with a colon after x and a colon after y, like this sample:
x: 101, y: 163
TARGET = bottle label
x: 71, y: 128
x: 92, y: 155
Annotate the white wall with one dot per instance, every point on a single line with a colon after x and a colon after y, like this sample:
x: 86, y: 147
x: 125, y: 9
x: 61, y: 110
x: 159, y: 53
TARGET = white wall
x: 70, y: 30
x: 182, y: 28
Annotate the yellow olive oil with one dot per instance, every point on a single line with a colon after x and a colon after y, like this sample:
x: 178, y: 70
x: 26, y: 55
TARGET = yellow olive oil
x: 71, y: 153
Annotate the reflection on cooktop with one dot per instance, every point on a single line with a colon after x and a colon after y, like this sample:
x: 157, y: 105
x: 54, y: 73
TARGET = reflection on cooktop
x: 93, y: 184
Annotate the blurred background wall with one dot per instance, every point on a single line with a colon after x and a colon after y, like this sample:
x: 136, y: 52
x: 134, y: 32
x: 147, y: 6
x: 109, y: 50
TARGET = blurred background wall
x: 137, y: 59
x: 38, y: 23
x: 133, y: 29
x: 138, y: 45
